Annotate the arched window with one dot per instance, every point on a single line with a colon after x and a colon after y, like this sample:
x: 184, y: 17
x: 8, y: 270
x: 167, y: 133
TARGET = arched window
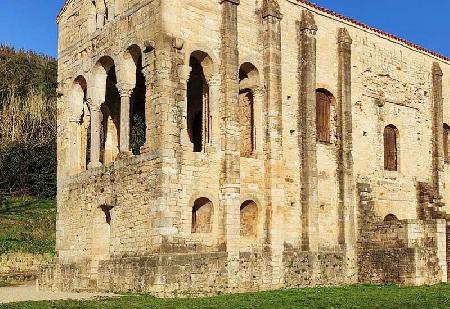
x: 107, y: 93
x: 323, y: 107
x: 80, y: 117
x: 202, y: 212
x: 249, y: 219
x: 390, y: 218
x: 198, y: 115
x: 248, y: 81
x: 138, y: 125
x: 390, y: 148
x: 445, y: 142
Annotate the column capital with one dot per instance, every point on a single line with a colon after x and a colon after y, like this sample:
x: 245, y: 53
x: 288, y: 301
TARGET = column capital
x: 344, y: 37
x: 236, y: 2
x: 271, y: 8
x: 94, y: 106
x: 308, y: 24
x: 125, y: 90
x: 437, y: 71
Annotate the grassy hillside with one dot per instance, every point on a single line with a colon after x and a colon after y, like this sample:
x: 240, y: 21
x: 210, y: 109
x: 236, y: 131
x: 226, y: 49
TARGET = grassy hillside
x: 27, y: 123
x: 27, y: 225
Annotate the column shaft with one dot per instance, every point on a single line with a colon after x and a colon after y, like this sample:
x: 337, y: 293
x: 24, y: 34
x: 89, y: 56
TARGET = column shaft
x: 125, y: 123
x: 96, y: 122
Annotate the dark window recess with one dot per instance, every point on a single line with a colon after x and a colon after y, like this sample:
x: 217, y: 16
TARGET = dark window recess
x: 323, y: 103
x: 390, y: 148
x: 445, y: 142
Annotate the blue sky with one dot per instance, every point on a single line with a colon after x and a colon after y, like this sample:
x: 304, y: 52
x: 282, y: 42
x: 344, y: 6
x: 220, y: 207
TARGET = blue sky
x: 31, y: 24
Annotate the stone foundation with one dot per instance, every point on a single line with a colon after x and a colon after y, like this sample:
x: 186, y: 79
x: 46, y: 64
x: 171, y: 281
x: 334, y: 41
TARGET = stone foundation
x: 410, y: 252
x: 198, y: 274
x: 22, y: 267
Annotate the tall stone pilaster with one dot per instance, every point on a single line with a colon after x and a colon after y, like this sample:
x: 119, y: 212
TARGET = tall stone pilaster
x: 151, y: 124
x: 273, y: 148
x: 344, y: 132
x: 230, y: 174
x: 346, y: 206
x: 438, y: 121
x: 162, y: 113
x: 307, y: 130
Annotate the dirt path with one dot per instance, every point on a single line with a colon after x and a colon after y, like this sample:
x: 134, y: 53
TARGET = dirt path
x: 30, y: 293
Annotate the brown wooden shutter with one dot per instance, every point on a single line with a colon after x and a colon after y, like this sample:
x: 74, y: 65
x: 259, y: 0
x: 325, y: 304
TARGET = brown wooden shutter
x: 390, y: 148
x: 323, y: 103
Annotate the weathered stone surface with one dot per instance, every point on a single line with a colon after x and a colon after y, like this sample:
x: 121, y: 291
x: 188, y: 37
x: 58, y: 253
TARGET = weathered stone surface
x: 228, y: 96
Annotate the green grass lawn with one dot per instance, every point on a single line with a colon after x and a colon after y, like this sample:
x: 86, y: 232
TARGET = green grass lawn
x: 27, y: 225
x: 345, y: 297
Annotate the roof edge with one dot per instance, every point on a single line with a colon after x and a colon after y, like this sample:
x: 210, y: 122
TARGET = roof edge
x: 340, y: 16
x: 63, y: 9
x: 376, y: 30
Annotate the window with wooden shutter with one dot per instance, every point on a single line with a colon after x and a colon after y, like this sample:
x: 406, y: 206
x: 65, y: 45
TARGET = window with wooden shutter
x: 323, y: 104
x: 390, y: 148
x: 445, y: 142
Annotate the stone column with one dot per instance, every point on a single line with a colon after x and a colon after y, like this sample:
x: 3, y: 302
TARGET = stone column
x: 96, y: 123
x: 230, y: 174
x: 346, y: 206
x: 273, y: 148
x: 438, y: 122
x: 125, y: 119
x: 307, y: 130
x: 74, y: 146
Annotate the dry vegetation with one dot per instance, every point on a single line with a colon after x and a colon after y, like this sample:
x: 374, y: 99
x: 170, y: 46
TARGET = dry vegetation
x: 27, y: 123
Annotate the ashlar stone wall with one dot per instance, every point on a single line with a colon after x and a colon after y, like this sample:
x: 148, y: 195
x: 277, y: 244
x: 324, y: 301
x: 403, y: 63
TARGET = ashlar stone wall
x: 234, y: 195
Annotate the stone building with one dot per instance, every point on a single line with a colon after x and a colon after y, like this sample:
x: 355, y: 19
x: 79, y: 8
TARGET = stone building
x: 232, y: 145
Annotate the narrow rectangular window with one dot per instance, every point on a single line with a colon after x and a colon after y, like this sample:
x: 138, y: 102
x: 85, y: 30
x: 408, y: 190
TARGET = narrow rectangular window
x: 390, y: 148
x: 445, y: 143
x: 323, y: 103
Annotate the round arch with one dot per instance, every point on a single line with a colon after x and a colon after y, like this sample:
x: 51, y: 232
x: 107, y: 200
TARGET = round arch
x: 248, y: 76
x: 78, y: 97
x: 202, y: 215
x: 249, y: 219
